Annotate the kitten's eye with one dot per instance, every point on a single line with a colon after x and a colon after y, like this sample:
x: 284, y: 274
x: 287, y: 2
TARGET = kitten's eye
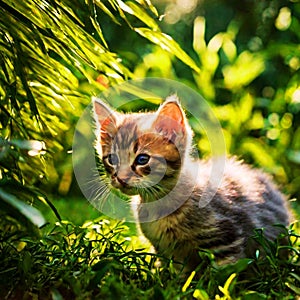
x: 113, y: 159
x: 142, y: 159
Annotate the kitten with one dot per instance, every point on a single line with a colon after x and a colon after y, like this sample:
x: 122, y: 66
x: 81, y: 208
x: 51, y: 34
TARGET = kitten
x: 149, y: 154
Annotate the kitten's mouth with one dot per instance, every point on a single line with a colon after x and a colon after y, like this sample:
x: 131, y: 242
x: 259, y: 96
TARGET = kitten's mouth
x: 128, y: 190
x: 124, y: 187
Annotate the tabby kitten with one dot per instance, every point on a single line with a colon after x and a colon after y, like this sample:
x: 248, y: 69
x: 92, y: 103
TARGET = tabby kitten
x: 149, y: 154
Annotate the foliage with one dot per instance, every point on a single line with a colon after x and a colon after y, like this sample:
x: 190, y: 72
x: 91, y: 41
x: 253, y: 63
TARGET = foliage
x: 51, y: 63
x: 97, y: 261
x: 243, y: 57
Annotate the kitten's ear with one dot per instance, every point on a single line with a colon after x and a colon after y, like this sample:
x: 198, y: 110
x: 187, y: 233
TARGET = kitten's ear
x: 171, y: 118
x: 105, y: 117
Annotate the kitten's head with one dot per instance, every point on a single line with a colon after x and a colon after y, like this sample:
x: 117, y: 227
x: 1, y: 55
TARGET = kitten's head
x: 143, y: 152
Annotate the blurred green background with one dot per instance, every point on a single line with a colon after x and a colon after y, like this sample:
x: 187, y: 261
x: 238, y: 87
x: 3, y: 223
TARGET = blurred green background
x: 242, y: 56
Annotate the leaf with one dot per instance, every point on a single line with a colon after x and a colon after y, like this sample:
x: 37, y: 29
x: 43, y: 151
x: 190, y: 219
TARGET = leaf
x: 27, y: 263
x: 93, y: 18
x: 167, y: 43
x: 293, y: 287
x: 188, y: 281
x: 56, y: 295
x: 14, y: 204
x: 101, y: 268
x: 225, y: 289
x: 200, y: 294
x: 293, y: 156
x: 243, y: 71
x: 237, y: 267
x: 297, y: 277
x: 258, y: 151
x: 107, y: 11
x: 254, y: 296
x: 19, y: 64
x: 245, y: 107
x: 142, y: 15
x: 150, y: 6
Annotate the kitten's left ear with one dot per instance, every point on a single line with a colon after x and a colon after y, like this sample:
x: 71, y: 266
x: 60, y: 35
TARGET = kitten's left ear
x: 171, y: 118
x: 105, y: 117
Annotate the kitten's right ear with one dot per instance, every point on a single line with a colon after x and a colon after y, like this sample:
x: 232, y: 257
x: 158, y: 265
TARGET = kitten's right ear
x: 105, y: 117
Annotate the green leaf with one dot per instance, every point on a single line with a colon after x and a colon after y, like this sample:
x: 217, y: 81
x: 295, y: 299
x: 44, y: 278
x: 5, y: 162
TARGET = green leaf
x: 245, y: 69
x: 297, y: 277
x: 200, y: 294
x: 167, y: 43
x: 150, y: 6
x: 254, y: 296
x: 140, y: 13
x: 93, y: 18
x: 19, y: 67
x: 29, y: 212
x: 293, y: 287
x: 107, y: 11
x: 56, y: 295
x: 258, y: 151
x: 293, y: 156
x: 27, y: 263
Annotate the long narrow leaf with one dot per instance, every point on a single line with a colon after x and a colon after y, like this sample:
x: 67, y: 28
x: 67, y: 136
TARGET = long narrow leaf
x: 31, y: 213
x: 167, y: 43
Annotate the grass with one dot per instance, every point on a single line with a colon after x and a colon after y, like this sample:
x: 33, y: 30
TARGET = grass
x: 104, y: 259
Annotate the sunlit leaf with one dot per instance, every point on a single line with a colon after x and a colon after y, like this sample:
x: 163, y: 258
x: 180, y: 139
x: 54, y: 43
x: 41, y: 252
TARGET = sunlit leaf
x: 293, y: 288
x: 200, y: 295
x: 101, y: 5
x: 210, y: 61
x: 93, y: 18
x: 199, y: 43
x: 229, y: 49
x: 245, y: 69
x: 245, y: 107
x: 142, y: 15
x: 256, y: 121
x: 258, y: 151
x: 228, y: 283
x: 188, y: 281
x: 149, y: 5
x: 168, y: 44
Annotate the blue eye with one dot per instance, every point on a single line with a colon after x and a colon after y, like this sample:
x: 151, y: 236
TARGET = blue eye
x: 142, y: 159
x: 113, y: 159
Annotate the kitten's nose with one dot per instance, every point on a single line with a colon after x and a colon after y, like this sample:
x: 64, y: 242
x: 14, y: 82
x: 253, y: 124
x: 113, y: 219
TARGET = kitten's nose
x: 122, y: 181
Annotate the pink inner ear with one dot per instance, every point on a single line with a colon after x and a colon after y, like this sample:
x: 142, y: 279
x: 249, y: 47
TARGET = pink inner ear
x: 173, y: 111
x: 106, y: 119
x: 106, y: 122
x: 98, y: 108
x: 170, y: 121
x: 108, y: 127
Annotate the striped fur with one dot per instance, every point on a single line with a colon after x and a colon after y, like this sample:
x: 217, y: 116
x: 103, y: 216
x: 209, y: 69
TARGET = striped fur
x: 246, y: 198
